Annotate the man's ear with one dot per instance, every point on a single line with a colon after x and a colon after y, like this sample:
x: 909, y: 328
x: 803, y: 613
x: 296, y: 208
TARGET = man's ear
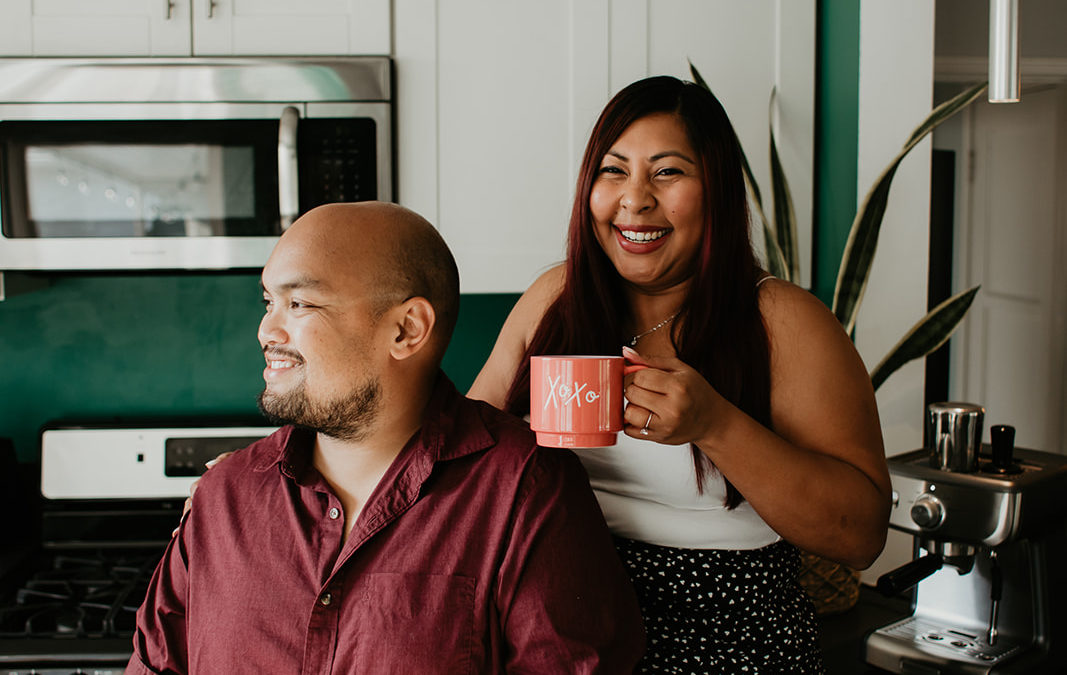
x: 414, y: 320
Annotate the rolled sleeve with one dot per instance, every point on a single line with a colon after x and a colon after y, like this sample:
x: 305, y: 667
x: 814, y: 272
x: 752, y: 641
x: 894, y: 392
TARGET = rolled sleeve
x: 566, y: 602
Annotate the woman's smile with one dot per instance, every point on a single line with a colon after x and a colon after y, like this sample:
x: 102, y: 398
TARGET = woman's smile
x: 642, y: 239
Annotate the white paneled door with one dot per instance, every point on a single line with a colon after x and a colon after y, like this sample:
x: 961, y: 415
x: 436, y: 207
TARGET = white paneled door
x: 1010, y: 355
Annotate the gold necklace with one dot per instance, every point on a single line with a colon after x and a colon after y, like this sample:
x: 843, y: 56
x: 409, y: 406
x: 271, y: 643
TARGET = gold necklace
x: 653, y: 329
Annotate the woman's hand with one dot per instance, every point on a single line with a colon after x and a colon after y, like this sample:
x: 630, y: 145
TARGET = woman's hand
x: 192, y: 488
x: 681, y: 403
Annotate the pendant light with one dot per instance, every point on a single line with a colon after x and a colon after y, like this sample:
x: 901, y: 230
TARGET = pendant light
x: 1003, y: 51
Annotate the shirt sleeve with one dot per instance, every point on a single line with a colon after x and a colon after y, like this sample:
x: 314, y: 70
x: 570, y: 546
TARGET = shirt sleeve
x: 567, y: 604
x: 159, y: 641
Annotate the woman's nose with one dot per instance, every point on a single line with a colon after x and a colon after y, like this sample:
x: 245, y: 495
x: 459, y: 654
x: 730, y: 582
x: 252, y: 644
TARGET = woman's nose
x: 636, y: 197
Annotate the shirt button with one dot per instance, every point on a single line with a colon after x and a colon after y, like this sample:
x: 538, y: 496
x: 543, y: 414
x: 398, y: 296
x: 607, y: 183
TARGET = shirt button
x: 325, y: 599
x: 335, y: 513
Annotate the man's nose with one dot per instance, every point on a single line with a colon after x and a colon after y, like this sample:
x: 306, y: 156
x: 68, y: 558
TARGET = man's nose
x: 271, y: 329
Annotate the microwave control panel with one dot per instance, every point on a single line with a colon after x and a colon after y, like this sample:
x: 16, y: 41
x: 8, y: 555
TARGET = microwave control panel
x: 337, y: 161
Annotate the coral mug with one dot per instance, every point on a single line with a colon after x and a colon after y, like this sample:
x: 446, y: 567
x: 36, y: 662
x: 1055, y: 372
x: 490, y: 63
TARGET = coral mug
x: 576, y: 401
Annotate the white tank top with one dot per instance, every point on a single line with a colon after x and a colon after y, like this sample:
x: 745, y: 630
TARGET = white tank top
x: 648, y: 492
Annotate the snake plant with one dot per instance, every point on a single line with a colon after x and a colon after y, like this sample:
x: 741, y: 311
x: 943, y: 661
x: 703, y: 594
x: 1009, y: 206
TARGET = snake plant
x: 780, y: 239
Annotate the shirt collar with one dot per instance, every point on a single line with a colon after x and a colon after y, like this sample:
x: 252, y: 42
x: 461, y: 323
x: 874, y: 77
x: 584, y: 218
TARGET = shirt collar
x: 452, y: 424
x: 452, y: 427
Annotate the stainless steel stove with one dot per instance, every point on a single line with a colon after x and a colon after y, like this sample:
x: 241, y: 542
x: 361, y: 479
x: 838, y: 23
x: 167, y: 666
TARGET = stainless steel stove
x: 110, y: 498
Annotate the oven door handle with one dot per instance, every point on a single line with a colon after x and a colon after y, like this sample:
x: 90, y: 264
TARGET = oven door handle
x: 288, y: 185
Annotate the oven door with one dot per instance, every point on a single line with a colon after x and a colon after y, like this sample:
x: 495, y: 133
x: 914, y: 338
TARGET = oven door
x: 176, y: 186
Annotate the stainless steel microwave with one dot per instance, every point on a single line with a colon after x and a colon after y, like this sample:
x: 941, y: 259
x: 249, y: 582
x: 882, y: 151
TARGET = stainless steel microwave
x: 109, y: 164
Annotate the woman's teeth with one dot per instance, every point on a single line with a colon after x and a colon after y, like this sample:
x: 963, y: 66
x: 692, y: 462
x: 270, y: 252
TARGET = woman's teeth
x: 642, y: 237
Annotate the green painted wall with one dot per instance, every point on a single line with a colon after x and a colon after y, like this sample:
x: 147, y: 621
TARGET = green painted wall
x: 101, y: 346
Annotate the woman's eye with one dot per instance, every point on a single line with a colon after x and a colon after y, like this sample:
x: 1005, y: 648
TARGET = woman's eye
x: 611, y: 169
x: 669, y: 171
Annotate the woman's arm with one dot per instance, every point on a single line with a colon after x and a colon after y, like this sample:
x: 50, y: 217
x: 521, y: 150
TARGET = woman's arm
x: 820, y: 478
x: 495, y: 378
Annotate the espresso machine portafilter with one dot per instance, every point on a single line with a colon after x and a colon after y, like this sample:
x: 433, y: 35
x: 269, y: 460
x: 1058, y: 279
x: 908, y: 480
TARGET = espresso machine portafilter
x: 990, y: 548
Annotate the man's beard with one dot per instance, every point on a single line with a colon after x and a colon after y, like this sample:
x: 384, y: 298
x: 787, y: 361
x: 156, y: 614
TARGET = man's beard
x: 348, y: 418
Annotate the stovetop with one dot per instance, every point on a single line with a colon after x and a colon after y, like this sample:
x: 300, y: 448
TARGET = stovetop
x: 101, y: 513
x: 74, y: 607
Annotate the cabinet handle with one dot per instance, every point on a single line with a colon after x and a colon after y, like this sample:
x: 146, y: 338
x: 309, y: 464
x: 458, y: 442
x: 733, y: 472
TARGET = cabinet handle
x: 170, y: 10
x: 211, y: 5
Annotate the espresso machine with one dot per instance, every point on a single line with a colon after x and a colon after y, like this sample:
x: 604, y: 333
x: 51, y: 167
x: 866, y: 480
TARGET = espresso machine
x: 989, y: 566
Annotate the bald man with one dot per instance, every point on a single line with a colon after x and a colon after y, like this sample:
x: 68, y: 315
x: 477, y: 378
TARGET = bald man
x: 391, y: 525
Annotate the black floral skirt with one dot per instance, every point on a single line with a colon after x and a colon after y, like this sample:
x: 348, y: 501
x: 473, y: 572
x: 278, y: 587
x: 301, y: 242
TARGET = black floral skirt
x: 721, y: 611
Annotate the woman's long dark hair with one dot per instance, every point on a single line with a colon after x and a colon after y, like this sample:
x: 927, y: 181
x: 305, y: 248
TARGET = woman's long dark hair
x: 720, y: 331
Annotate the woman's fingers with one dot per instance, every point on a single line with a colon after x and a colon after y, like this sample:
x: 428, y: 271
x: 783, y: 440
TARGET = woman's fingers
x: 212, y: 462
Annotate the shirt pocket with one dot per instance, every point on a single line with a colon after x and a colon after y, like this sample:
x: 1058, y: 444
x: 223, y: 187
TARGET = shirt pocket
x: 408, y: 623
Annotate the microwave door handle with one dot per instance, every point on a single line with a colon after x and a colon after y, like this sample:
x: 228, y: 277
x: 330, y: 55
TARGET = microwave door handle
x: 288, y: 188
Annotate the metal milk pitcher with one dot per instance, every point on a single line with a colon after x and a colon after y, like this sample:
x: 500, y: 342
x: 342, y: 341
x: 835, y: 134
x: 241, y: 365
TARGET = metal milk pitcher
x: 954, y: 435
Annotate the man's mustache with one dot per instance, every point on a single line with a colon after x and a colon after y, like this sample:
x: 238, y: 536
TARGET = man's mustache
x: 278, y: 354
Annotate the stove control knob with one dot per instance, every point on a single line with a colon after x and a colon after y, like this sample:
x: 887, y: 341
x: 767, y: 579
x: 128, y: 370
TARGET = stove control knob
x: 928, y: 512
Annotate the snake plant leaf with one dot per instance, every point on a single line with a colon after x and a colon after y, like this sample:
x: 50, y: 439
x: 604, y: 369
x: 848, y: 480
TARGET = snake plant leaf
x: 932, y: 331
x: 777, y: 264
x: 785, y: 220
x: 945, y: 111
x: 776, y: 261
x: 855, y: 269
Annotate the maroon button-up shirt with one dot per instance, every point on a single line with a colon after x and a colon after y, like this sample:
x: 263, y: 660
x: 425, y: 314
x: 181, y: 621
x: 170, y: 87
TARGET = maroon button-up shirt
x: 478, y: 552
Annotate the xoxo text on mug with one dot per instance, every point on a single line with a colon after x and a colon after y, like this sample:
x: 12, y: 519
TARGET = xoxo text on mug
x: 576, y: 401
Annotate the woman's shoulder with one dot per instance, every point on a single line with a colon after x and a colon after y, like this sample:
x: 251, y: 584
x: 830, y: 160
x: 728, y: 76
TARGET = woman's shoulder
x: 547, y: 287
x: 804, y: 335
x: 499, y: 370
x: 783, y: 302
x: 795, y: 317
x: 533, y: 304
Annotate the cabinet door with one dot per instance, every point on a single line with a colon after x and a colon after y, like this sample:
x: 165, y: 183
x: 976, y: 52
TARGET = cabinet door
x: 277, y: 27
x: 98, y: 28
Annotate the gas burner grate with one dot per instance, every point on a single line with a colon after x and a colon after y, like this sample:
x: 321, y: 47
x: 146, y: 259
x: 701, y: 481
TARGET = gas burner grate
x: 80, y: 596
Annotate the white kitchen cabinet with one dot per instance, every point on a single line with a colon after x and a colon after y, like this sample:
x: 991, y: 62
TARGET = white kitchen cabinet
x: 496, y: 99
x: 98, y: 28
x: 281, y: 27
x: 194, y: 27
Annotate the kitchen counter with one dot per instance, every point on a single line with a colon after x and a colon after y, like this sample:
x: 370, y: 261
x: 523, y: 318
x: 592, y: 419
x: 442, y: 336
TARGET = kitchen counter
x: 842, y: 634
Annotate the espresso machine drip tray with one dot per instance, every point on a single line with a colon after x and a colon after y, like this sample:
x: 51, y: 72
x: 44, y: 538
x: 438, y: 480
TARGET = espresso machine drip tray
x: 942, y: 642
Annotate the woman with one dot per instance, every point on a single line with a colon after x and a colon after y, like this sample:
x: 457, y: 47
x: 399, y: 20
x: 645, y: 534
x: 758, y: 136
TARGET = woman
x: 753, y: 430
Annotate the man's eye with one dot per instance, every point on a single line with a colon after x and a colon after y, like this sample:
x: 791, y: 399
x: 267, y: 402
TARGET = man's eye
x: 267, y: 302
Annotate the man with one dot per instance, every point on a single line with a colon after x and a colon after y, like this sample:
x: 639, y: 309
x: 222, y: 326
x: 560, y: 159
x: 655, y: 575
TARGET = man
x: 393, y: 526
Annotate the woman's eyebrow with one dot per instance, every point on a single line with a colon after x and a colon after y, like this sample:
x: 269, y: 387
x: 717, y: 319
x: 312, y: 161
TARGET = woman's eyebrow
x: 671, y: 153
x: 656, y: 157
